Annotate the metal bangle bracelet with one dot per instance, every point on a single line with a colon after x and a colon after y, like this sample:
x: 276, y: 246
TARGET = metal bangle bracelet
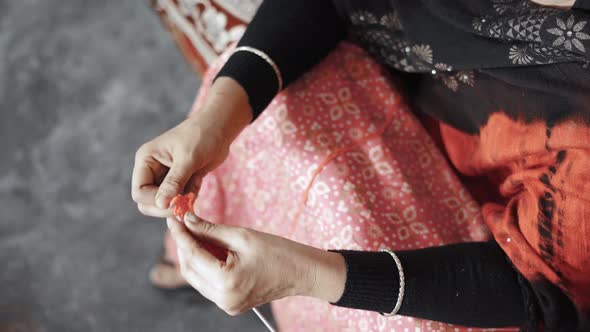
x: 402, y: 284
x: 266, y: 58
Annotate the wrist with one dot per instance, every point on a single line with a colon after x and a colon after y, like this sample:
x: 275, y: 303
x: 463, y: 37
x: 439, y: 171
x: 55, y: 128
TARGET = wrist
x: 207, y: 125
x: 228, y: 103
x: 327, y: 276
x: 226, y: 111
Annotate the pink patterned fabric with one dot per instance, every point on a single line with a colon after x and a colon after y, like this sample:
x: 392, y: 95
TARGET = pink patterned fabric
x: 384, y: 184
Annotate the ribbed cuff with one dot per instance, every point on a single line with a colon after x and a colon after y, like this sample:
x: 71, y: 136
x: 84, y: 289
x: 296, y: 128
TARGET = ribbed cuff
x: 372, y: 281
x: 255, y: 75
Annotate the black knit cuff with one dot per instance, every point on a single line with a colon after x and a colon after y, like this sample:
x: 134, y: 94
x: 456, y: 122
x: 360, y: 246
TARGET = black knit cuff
x: 582, y: 4
x: 372, y: 281
x: 255, y: 75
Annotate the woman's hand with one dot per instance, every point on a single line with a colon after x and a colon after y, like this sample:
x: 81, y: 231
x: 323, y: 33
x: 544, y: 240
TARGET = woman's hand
x: 259, y: 267
x: 176, y: 161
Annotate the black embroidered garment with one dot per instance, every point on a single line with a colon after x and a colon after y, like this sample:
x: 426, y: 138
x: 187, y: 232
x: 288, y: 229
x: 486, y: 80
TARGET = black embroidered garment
x: 498, y: 45
x: 508, y: 80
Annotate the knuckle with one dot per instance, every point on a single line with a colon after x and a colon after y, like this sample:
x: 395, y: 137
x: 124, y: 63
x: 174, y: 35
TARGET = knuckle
x: 223, y: 302
x: 135, y: 197
x: 207, y: 227
x: 191, y: 154
x: 230, y: 307
x: 243, y: 236
x: 232, y: 312
x: 141, y: 209
x: 142, y: 151
x: 173, y: 180
x: 195, y: 184
x: 238, y: 309
x: 139, y: 154
x: 183, y: 155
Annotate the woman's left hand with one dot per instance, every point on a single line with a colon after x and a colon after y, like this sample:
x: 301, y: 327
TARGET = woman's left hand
x: 259, y: 267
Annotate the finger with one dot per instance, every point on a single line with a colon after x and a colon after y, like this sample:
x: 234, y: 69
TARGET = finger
x: 221, y: 235
x: 207, y: 264
x: 194, y: 184
x: 217, y: 247
x: 209, y: 289
x: 174, y: 182
x: 153, y: 211
x: 146, y: 171
x: 145, y: 194
x: 194, y: 278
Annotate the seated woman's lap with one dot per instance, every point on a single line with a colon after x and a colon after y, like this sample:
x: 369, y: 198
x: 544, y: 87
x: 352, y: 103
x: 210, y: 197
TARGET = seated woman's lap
x: 381, y: 181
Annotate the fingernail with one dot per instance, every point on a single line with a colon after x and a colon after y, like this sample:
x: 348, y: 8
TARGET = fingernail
x: 189, y: 217
x: 161, y: 202
x: 178, y: 218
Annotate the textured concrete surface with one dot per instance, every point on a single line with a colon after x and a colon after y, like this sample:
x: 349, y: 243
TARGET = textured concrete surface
x: 82, y: 85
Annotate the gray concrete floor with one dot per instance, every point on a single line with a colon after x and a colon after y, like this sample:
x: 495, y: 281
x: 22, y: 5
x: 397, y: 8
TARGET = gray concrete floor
x: 82, y: 84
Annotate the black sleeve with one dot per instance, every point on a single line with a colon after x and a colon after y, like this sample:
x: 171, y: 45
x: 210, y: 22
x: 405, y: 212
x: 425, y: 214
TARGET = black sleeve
x: 582, y: 4
x: 294, y: 34
x: 470, y: 284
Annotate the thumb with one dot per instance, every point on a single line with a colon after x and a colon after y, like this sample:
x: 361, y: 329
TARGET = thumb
x: 217, y: 234
x: 173, y: 184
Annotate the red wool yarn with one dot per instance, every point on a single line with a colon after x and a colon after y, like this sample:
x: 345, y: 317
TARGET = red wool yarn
x: 181, y: 204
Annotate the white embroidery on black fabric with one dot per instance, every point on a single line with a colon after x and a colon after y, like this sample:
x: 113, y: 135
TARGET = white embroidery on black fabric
x: 395, y: 51
x: 363, y: 17
x: 527, y: 22
x: 569, y: 33
x: 515, y: 19
x: 391, y: 20
x: 478, y: 23
x: 466, y: 77
x: 392, y: 49
x: 423, y: 52
x: 501, y: 6
x: 452, y: 80
x: 443, y: 67
x: 519, y: 56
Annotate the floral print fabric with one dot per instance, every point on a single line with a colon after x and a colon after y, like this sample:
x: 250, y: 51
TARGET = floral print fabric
x: 387, y: 184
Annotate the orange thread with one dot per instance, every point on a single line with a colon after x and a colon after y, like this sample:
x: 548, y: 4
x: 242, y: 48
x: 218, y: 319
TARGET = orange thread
x: 329, y: 158
x: 181, y: 204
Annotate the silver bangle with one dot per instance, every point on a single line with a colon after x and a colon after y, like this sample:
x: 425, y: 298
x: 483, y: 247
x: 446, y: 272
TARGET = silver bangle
x: 266, y: 58
x: 402, y: 284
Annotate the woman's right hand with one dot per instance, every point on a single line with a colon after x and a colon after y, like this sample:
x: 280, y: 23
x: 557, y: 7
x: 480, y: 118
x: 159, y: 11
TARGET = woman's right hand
x: 176, y: 161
